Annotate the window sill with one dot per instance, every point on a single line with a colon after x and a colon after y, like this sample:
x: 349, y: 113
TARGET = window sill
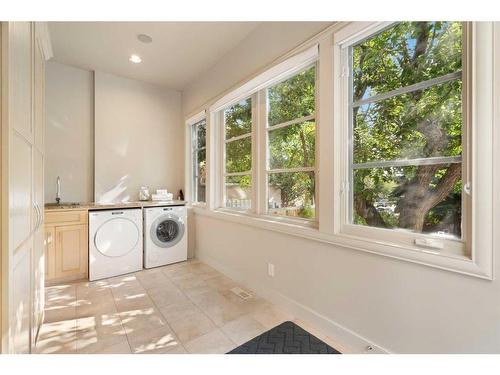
x: 449, y: 262
x: 197, y: 205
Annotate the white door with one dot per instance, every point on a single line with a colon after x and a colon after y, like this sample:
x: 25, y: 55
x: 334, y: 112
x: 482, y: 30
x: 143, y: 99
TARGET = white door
x: 22, y: 140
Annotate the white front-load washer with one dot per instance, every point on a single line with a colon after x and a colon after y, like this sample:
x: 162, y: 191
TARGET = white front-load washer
x: 115, y: 242
x: 165, y: 235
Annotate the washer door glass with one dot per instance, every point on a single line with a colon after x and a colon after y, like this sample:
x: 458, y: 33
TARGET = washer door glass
x: 116, y: 237
x: 167, y: 230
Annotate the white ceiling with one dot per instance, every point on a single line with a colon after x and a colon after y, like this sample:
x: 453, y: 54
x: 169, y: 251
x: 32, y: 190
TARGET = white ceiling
x: 180, y: 51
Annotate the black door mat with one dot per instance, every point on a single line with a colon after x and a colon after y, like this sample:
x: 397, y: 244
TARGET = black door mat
x: 287, y: 338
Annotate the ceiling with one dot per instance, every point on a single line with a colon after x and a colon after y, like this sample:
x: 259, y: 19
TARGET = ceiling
x: 179, y: 53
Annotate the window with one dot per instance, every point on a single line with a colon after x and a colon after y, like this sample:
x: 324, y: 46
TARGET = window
x: 291, y: 132
x: 199, y: 158
x: 406, y: 131
x: 238, y: 155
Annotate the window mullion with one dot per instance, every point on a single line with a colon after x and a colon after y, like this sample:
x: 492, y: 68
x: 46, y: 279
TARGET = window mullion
x: 260, y: 175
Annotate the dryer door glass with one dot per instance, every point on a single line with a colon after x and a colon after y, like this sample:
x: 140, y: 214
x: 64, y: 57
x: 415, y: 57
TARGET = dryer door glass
x: 167, y: 230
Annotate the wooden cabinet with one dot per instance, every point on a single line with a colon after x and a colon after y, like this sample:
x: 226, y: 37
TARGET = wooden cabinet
x: 22, y: 198
x: 66, y: 245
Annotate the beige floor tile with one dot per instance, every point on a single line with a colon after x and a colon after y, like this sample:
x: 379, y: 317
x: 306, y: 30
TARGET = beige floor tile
x: 177, y: 311
x: 188, y: 281
x: 204, y: 296
x: 221, y: 283
x: 177, y: 269
x: 192, y: 326
x: 137, y: 320
x: 222, y: 311
x: 270, y: 316
x: 250, y: 305
x: 57, y: 338
x: 243, y: 329
x: 152, y: 278
x: 59, y: 313
x: 182, y: 307
x: 165, y: 296
x: 120, y: 348
x: 148, y: 340
x: 96, y: 333
x: 87, y: 308
x: 214, y: 342
x: 123, y: 282
x: 86, y: 288
x: 133, y: 301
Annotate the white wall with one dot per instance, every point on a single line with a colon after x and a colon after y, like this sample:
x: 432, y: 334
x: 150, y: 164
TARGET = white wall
x: 400, y: 306
x: 69, y: 133
x: 138, y: 138
x: 266, y: 43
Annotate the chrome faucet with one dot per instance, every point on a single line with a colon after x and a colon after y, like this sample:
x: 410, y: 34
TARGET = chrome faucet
x: 58, y: 190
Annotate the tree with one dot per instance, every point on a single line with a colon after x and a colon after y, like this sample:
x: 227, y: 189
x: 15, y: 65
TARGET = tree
x: 423, y: 123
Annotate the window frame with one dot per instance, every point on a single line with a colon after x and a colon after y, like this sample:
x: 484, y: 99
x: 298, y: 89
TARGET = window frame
x: 191, y: 149
x: 400, y: 236
x: 260, y: 151
x: 267, y: 129
x: 484, y: 154
x: 467, y: 256
x: 194, y: 158
x: 221, y: 121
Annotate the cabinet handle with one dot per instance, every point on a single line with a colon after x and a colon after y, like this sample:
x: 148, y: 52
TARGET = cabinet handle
x: 37, y: 216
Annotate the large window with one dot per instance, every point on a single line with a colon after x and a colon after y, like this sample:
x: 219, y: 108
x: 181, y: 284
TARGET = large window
x: 407, y: 129
x: 199, y: 158
x: 291, y: 151
x: 238, y: 155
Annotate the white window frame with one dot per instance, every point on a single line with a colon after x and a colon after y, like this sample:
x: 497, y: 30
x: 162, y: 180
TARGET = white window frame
x: 190, y: 150
x: 222, y: 149
x: 264, y: 123
x: 256, y: 88
x: 476, y: 257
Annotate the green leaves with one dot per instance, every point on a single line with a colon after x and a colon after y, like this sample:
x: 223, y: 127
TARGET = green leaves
x: 293, y: 98
x: 419, y: 124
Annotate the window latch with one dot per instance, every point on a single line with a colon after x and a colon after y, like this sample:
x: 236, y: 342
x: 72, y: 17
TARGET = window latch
x: 344, y: 187
x: 467, y: 188
x: 429, y: 243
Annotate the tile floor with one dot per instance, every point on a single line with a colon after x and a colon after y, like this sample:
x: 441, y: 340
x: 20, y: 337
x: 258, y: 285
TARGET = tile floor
x: 181, y: 308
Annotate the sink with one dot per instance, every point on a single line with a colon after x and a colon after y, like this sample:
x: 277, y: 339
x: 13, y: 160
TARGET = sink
x: 55, y: 204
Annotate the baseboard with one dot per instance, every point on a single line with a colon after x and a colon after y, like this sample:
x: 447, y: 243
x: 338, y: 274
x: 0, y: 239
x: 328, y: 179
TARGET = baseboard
x: 349, y: 341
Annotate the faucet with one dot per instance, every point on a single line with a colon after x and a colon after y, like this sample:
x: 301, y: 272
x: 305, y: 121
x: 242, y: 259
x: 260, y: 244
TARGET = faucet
x: 58, y: 190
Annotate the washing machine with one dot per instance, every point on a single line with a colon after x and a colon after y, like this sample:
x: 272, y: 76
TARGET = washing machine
x: 165, y: 235
x: 115, y: 242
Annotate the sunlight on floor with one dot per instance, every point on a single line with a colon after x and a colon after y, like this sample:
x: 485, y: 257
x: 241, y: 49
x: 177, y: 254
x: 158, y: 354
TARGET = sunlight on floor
x: 181, y: 308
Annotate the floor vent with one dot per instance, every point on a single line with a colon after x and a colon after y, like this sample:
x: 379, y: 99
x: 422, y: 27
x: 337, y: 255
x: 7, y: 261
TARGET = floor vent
x: 241, y: 293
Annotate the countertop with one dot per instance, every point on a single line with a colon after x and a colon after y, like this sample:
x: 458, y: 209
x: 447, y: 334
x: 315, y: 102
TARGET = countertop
x: 106, y: 206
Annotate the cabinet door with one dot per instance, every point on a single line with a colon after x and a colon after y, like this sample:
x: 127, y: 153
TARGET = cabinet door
x: 38, y: 89
x: 20, y: 300
x: 50, y: 253
x: 38, y: 275
x: 20, y: 65
x: 71, y: 254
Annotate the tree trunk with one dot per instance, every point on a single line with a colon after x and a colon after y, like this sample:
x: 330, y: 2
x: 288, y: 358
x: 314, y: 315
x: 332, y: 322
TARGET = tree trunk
x: 417, y: 200
x: 368, y: 212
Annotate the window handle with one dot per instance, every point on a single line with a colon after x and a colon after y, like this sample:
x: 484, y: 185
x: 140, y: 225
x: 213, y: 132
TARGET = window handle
x: 467, y: 188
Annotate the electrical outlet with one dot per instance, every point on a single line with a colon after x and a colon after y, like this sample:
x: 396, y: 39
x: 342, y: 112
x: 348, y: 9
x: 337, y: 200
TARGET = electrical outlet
x: 270, y: 269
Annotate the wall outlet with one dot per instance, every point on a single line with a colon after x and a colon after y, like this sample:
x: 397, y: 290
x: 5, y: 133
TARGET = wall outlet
x: 270, y: 269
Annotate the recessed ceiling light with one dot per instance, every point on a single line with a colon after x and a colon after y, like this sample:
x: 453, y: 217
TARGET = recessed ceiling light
x: 144, y: 38
x: 136, y: 59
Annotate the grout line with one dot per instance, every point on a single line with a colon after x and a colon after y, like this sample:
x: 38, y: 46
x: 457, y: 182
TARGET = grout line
x: 159, y: 311
x: 119, y: 316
